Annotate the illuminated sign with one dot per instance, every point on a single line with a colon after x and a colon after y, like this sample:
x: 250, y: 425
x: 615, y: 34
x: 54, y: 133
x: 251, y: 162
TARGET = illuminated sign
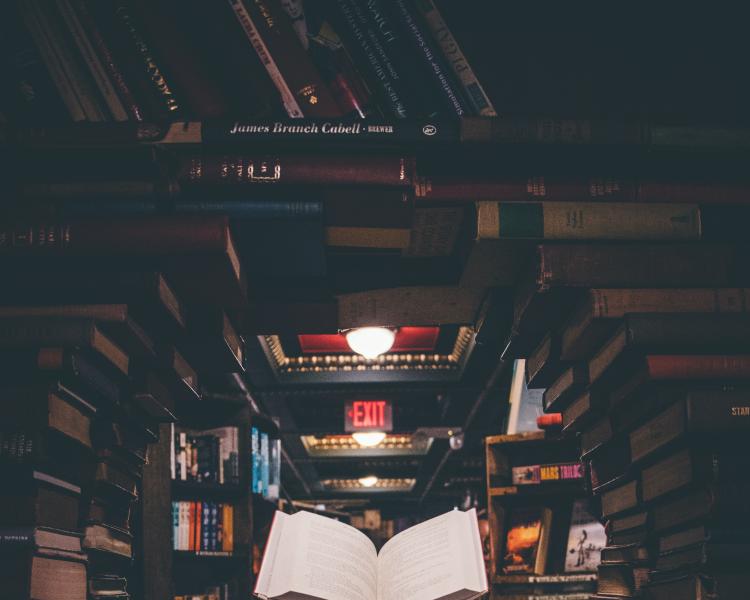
x: 368, y: 415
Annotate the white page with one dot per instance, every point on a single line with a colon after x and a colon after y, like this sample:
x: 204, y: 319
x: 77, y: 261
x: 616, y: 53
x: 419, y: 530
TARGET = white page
x: 430, y: 560
x: 329, y: 559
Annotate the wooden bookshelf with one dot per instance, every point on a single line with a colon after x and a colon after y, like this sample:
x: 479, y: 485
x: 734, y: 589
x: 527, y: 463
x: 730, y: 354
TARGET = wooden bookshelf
x: 503, y: 452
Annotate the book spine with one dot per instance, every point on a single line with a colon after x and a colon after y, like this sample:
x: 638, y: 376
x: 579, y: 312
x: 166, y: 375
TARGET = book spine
x: 31, y: 91
x: 585, y: 220
x: 372, y: 53
x: 476, y: 95
x: 307, y: 170
x: 323, y: 45
x: 91, y: 59
x: 698, y: 367
x: 186, y: 66
x: 53, y: 63
x: 83, y: 88
x: 149, y: 65
x: 255, y: 209
x: 269, y: 31
x: 615, y: 303
x: 166, y: 235
x: 431, y: 61
x: 130, y: 104
x: 45, y: 332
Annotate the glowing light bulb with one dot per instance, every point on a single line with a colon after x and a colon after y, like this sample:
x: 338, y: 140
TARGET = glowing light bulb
x: 368, y: 481
x: 370, y: 342
x: 368, y: 439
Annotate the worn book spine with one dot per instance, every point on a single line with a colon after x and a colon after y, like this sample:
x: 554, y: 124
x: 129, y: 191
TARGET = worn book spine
x: 620, y: 499
x: 587, y: 220
x: 599, y: 313
x: 160, y: 85
x: 53, y: 63
x: 430, y: 59
x: 667, y: 366
x: 477, y: 97
x: 678, y: 264
x: 304, y: 170
x: 136, y: 235
x: 108, y: 62
x: 92, y: 61
x: 368, y: 48
x: 31, y: 92
x: 177, y: 53
x: 270, y: 32
x: 83, y: 86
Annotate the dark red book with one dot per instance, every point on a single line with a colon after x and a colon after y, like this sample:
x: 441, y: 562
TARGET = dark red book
x: 671, y: 366
x: 197, y: 253
x: 179, y: 55
x: 452, y: 188
x: 269, y: 30
x: 101, y: 46
x: 306, y: 170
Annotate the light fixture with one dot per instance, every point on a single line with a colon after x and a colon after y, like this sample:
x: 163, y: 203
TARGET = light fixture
x: 370, y: 342
x: 368, y: 439
x: 368, y: 481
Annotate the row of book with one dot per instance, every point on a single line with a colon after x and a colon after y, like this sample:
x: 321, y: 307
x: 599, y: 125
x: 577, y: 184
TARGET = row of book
x: 203, y: 527
x: 212, y: 593
x: 136, y: 60
x: 266, y: 464
x: 208, y: 456
x: 653, y: 382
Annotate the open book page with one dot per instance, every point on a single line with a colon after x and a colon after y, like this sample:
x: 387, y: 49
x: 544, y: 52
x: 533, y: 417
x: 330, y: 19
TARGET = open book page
x: 433, y: 559
x: 319, y: 557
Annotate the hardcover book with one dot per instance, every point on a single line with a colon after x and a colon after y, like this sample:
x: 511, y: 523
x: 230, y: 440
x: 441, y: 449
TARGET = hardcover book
x: 586, y: 539
x: 526, y: 541
x: 312, y: 557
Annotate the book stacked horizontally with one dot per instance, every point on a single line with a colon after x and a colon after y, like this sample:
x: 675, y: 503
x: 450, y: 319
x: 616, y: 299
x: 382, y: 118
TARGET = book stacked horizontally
x: 654, y: 381
x: 97, y: 350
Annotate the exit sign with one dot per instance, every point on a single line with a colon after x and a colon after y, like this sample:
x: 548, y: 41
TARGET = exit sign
x: 368, y: 415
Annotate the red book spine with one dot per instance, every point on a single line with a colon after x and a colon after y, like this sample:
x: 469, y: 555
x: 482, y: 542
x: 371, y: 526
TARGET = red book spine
x: 593, y: 189
x: 698, y: 367
x: 137, y: 236
x: 110, y: 65
x: 185, y: 65
x: 314, y: 170
x: 549, y: 421
x: 191, y: 527
x: 270, y: 32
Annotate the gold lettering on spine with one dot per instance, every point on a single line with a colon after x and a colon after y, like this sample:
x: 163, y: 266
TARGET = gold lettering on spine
x: 152, y: 69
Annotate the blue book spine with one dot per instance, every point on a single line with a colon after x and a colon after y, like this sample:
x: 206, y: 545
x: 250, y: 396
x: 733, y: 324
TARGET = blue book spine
x: 255, y: 209
x: 264, y: 465
x: 255, y: 455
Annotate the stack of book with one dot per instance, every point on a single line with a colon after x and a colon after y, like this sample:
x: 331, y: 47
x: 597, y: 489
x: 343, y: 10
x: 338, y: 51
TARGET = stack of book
x: 102, y: 337
x: 73, y: 444
x: 654, y: 383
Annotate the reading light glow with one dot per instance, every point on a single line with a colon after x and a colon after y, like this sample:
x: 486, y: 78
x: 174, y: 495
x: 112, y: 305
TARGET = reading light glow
x: 370, y: 342
x: 368, y: 481
x: 368, y: 439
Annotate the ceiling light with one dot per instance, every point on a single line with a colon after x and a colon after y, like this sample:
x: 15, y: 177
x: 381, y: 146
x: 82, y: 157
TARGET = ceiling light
x: 368, y: 439
x: 370, y: 342
x: 368, y: 481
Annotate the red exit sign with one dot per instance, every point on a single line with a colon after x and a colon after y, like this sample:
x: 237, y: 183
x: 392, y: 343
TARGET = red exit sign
x: 368, y: 415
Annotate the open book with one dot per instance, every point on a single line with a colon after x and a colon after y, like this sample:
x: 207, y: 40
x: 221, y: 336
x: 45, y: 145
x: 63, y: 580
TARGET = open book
x: 309, y: 557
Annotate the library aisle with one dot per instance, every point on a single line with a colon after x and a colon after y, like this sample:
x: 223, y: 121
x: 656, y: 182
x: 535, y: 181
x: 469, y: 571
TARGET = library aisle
x: 373, y: 300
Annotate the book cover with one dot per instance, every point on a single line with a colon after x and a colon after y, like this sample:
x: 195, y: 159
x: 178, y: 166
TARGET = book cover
x: 586, y: 538
x: 526, y: 541
x: 255, y: 460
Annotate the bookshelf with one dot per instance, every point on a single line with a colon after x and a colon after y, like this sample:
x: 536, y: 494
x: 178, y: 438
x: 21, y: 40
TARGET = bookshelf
x: 503, y: 454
